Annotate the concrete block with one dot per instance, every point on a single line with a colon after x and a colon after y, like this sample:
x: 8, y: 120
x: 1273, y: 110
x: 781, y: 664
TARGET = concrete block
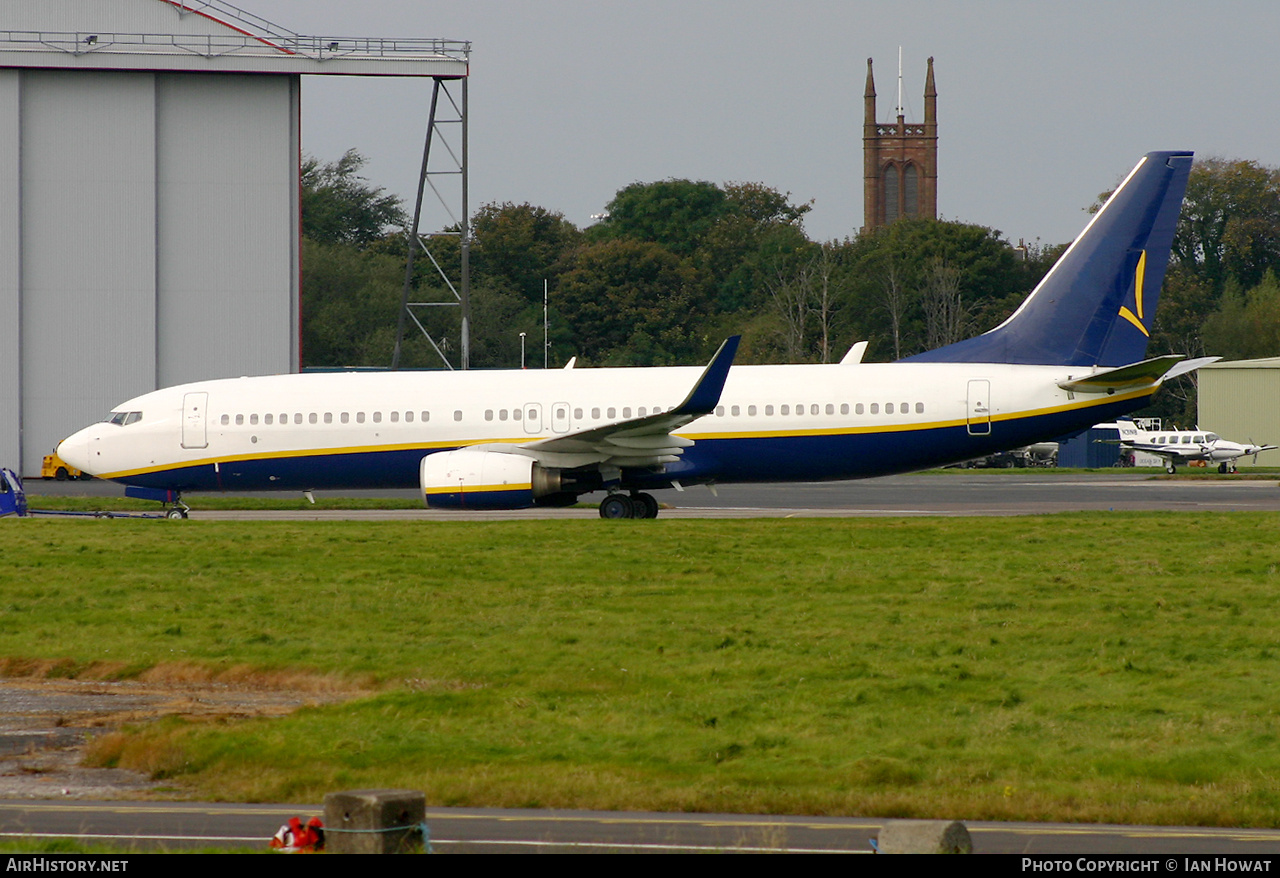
x: 924, y: 837
x: 374, y: 821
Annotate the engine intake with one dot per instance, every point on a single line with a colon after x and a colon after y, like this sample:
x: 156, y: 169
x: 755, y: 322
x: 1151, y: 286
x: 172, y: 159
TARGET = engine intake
x: 466, y: 479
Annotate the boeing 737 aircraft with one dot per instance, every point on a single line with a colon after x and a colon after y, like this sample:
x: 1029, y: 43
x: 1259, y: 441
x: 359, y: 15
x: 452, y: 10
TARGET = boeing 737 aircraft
x: 1071, y: 355
x: 1183, y: 446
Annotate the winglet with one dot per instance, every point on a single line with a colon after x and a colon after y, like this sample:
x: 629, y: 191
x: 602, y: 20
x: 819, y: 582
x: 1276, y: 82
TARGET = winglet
x: 705, y: 395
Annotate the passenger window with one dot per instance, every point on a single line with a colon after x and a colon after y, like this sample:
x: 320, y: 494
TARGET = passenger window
x: 239, y: 420
x: 346, y: 417
x: 858, y: 409
x: 784, y: 410
x: 813, y: 409
x: 502, y: 414
x: 517, y: 414
x: 253, y: 419
x: 408, y: 417
x: 426, y: 416
x: 611, y: 413
x: 626, y: 411
x: 844, y: 408
x: 488, y: 414
x: 888, y: 408
x: 297, y: 417
x: 919, y: 408
x: 226, y: 419
x: 267, y: 419
x: 311, y: 418
x: 831, y: 409
x: 719, y: 411
x: 395, y: 417
x: 768, y: 410
x: 642, y: 411
x: 735, y: 411
x: 751, y: 410
x: 595, y: 413
x: 875, y: 408
x: 359, y: 417
x: 577, y: 414
x: 328, y: 417
x: 377, y: 417
x: 457, y: 414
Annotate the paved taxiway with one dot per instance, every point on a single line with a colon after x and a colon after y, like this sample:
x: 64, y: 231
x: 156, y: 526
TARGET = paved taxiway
x: 951, y: 493
x: 176, y: 825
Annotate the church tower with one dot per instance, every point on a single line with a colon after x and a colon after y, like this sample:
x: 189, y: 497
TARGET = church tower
x: 900, y: 161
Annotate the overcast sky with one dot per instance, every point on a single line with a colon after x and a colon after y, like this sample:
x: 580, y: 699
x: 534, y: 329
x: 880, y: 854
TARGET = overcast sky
x: 1041, y: 105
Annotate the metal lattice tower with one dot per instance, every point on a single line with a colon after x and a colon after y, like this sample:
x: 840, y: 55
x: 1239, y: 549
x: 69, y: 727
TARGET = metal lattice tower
x: 447, y: 126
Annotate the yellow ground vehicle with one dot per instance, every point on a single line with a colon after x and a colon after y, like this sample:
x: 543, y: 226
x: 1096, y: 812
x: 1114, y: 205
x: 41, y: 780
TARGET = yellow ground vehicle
x: 53, y: 467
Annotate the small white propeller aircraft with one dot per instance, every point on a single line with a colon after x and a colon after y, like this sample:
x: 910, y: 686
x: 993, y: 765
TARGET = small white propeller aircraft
x: 1184, y: 446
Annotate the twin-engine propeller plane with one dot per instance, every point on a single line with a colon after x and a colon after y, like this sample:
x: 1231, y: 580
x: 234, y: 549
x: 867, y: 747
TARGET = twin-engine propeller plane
x: 1071, y: 355
x: 1183, y: 446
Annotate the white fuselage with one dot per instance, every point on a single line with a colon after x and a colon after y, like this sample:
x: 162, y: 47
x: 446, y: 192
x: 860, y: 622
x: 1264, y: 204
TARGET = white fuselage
x: 773, y: 423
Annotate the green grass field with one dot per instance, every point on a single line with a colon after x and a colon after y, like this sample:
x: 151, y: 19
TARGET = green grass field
x: 1097, y: 667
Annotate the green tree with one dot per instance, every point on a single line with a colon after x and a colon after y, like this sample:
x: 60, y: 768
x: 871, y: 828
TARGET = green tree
x: 677, y: 214
x: 341, y: 207
x: 1246, y: 325
x: 518, y: 246
x: 629, y: 302
x: 917, y: 282
x: 1230, y: 223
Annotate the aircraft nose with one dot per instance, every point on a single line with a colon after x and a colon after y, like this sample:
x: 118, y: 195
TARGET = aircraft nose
x: 75, y: 451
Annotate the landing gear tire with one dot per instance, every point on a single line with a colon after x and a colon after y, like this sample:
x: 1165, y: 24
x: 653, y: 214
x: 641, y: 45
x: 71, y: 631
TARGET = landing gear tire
x: 1223, y: 468
x: 176, y: 514
x: 1170, y: 468
x: 617, y: 506
x: 645, y: 505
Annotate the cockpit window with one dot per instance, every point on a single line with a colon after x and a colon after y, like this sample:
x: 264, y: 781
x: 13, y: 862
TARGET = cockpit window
x: 124, y: 419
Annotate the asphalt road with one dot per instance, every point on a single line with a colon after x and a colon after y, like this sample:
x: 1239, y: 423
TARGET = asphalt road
x: 951, y: 493
x: 178, y: 825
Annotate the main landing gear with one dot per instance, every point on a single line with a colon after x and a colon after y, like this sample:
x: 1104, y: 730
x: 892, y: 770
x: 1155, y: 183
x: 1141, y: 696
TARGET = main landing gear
x: 177, y: 511
x: 634, y: 506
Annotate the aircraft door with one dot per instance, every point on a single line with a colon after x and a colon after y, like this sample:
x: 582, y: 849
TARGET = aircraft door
x: 560, y: 417
x: 532, y: 417
x: 979, y: 408
x: 194, y: 424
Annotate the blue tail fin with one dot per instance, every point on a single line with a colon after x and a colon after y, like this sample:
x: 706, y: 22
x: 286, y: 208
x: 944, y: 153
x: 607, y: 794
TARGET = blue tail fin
x: 1097, y: 305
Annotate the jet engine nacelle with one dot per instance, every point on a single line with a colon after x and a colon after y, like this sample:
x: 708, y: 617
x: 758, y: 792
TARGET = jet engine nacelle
x: 467, y: 479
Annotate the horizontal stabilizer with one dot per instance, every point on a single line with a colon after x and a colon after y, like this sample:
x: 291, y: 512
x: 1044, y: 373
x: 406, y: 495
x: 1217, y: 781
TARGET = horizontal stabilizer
x: 1136, y: 375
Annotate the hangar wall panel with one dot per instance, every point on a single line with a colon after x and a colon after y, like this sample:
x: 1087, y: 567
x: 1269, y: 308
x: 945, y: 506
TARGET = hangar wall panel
x: 227, y: 225
x: 10, y: 277
x: 87, y: 239
x: 1242, y: 403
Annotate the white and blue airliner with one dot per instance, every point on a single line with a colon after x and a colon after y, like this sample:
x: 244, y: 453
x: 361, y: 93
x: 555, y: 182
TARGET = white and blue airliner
x: 1072, y: 355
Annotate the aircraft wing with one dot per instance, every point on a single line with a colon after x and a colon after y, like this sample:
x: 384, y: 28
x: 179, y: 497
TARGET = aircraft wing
x: 646, y: 441
x: 1170, y: 452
